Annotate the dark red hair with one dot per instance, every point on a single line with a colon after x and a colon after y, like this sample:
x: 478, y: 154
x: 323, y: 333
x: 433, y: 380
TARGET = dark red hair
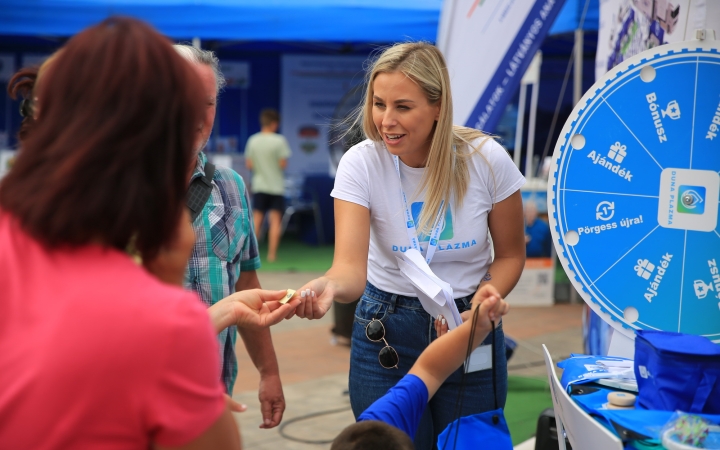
x: 21, y: 86
x: 108, y: 156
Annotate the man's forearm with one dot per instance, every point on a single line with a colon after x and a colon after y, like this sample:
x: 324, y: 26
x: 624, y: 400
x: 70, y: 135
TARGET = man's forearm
x: 258, y: 343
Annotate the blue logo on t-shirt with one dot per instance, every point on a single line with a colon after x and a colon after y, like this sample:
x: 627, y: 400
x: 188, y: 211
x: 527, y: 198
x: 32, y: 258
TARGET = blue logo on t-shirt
x: 445, y: 235
x: 447, y: 231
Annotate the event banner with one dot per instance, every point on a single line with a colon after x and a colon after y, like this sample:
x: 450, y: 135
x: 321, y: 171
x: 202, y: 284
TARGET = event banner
x: 7, y: 66
x: 488, y: 44
x: 314, y: 90
x: 628, y: 27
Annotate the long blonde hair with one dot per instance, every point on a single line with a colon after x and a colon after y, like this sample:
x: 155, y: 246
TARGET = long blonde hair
x: 446, y: 176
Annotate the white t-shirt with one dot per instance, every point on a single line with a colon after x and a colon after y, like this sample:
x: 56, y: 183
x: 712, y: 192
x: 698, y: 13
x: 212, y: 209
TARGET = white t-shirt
x: 366, y: 176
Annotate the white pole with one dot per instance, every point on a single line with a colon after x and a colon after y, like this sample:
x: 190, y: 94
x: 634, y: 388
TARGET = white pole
x: 578, y: 66
x: 520, y: 125
x: 196, y: 42
x: 531, y: 122
x: 577, y: 93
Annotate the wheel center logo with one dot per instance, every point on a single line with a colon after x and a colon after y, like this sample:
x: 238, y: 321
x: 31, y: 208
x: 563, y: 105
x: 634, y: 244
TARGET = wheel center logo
x: 689, y: 199
x: 692, y: 199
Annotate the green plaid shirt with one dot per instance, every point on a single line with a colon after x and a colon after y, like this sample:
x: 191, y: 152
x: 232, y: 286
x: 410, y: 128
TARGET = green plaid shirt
x: 225, y: 245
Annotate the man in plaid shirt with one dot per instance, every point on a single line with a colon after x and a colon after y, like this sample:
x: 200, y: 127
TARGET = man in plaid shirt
x: 225, y: 256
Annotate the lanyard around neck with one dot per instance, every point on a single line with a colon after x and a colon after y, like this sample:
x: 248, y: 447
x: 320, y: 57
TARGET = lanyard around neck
x: 410, y: 222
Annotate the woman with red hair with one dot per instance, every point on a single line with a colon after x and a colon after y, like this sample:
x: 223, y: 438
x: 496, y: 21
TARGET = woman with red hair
x: 97, y: 351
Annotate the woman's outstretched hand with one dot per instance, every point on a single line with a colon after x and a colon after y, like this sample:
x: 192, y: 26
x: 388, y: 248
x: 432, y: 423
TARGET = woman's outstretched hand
x: 316, y: 298
x: 259, y: 308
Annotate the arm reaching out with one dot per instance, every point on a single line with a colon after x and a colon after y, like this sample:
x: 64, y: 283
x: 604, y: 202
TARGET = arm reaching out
x: 345, y: 281
x: 448, y: 352
x: 254, y: 308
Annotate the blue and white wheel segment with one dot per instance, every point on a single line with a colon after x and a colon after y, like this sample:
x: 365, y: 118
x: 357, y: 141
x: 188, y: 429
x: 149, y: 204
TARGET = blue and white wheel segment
x: 634, y: 190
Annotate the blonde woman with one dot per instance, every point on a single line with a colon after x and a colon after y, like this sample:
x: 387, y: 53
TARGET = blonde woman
x: 416, y: 163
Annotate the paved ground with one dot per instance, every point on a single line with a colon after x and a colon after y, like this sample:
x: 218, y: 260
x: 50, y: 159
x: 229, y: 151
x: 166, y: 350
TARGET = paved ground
x: 314, y: 369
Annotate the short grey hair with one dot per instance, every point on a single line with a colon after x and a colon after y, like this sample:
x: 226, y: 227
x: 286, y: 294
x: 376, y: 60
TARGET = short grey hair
x: 199, y: 56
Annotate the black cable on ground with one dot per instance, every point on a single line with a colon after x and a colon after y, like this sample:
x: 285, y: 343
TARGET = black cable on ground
x: 281, y: 430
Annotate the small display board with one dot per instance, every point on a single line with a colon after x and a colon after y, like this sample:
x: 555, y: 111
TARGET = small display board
x: 536, y: 283
x: 633, y: 192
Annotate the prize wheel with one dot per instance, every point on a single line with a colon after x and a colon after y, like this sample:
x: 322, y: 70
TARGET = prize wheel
x: 633, y: 192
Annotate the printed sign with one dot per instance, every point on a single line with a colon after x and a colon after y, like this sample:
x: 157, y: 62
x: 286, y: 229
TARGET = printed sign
x: 629, y: 27
x: 312, y: 88
x: 7, y: 67
x: 488, y: 45
x: 536, y: 284
x: 236, y: 73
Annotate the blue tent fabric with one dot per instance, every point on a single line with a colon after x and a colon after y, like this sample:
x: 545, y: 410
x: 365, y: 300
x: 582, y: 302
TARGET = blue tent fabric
x: 258, y: 20
x: 568, y: 20
x: 274, y: 20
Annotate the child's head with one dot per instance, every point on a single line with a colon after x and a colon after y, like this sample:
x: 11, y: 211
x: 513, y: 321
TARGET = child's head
x: 269, y: 117
x: 372, y: 435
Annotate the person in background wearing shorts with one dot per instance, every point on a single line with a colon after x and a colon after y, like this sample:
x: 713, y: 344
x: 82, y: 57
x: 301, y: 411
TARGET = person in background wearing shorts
x: 266, y: 155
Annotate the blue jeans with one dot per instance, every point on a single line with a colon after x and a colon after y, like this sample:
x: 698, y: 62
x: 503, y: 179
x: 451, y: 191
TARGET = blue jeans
x: 409, y: 330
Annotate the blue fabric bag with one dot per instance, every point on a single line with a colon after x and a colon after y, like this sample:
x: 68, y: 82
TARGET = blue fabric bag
x: 677, y: 371
x: 487, y: 430
x: 580, y: 369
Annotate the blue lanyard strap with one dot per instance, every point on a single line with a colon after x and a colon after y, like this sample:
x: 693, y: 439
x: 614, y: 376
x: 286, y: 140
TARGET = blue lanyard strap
x: 410, y: 222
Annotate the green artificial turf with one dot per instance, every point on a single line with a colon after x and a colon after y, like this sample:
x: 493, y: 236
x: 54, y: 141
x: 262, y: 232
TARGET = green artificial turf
x: 296, y: 256
x: 527, y: 398
x: 560, y: 275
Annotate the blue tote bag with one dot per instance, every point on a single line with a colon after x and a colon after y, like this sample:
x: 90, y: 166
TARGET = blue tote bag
x: 677, y: 371
x: 487, y: 430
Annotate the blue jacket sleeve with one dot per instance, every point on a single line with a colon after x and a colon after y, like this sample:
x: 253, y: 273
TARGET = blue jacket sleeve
x: 402, y: 406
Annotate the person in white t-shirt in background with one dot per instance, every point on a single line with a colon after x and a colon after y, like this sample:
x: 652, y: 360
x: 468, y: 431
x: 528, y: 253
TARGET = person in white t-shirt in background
x: 266, y: 154
x: 457, y: 173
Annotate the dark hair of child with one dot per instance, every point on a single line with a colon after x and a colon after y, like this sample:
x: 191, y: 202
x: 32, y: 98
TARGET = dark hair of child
x: 372, y: 435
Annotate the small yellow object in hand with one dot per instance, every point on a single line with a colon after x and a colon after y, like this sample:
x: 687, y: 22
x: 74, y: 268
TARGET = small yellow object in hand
x: 288, y: 296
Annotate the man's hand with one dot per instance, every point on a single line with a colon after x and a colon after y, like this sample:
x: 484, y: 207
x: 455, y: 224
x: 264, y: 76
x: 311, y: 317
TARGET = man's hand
x: 257, y: 308
x: 272, y: 400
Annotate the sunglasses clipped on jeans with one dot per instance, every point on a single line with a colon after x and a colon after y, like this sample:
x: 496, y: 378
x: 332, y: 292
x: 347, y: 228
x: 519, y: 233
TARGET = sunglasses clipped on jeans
x: 388, y: 357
